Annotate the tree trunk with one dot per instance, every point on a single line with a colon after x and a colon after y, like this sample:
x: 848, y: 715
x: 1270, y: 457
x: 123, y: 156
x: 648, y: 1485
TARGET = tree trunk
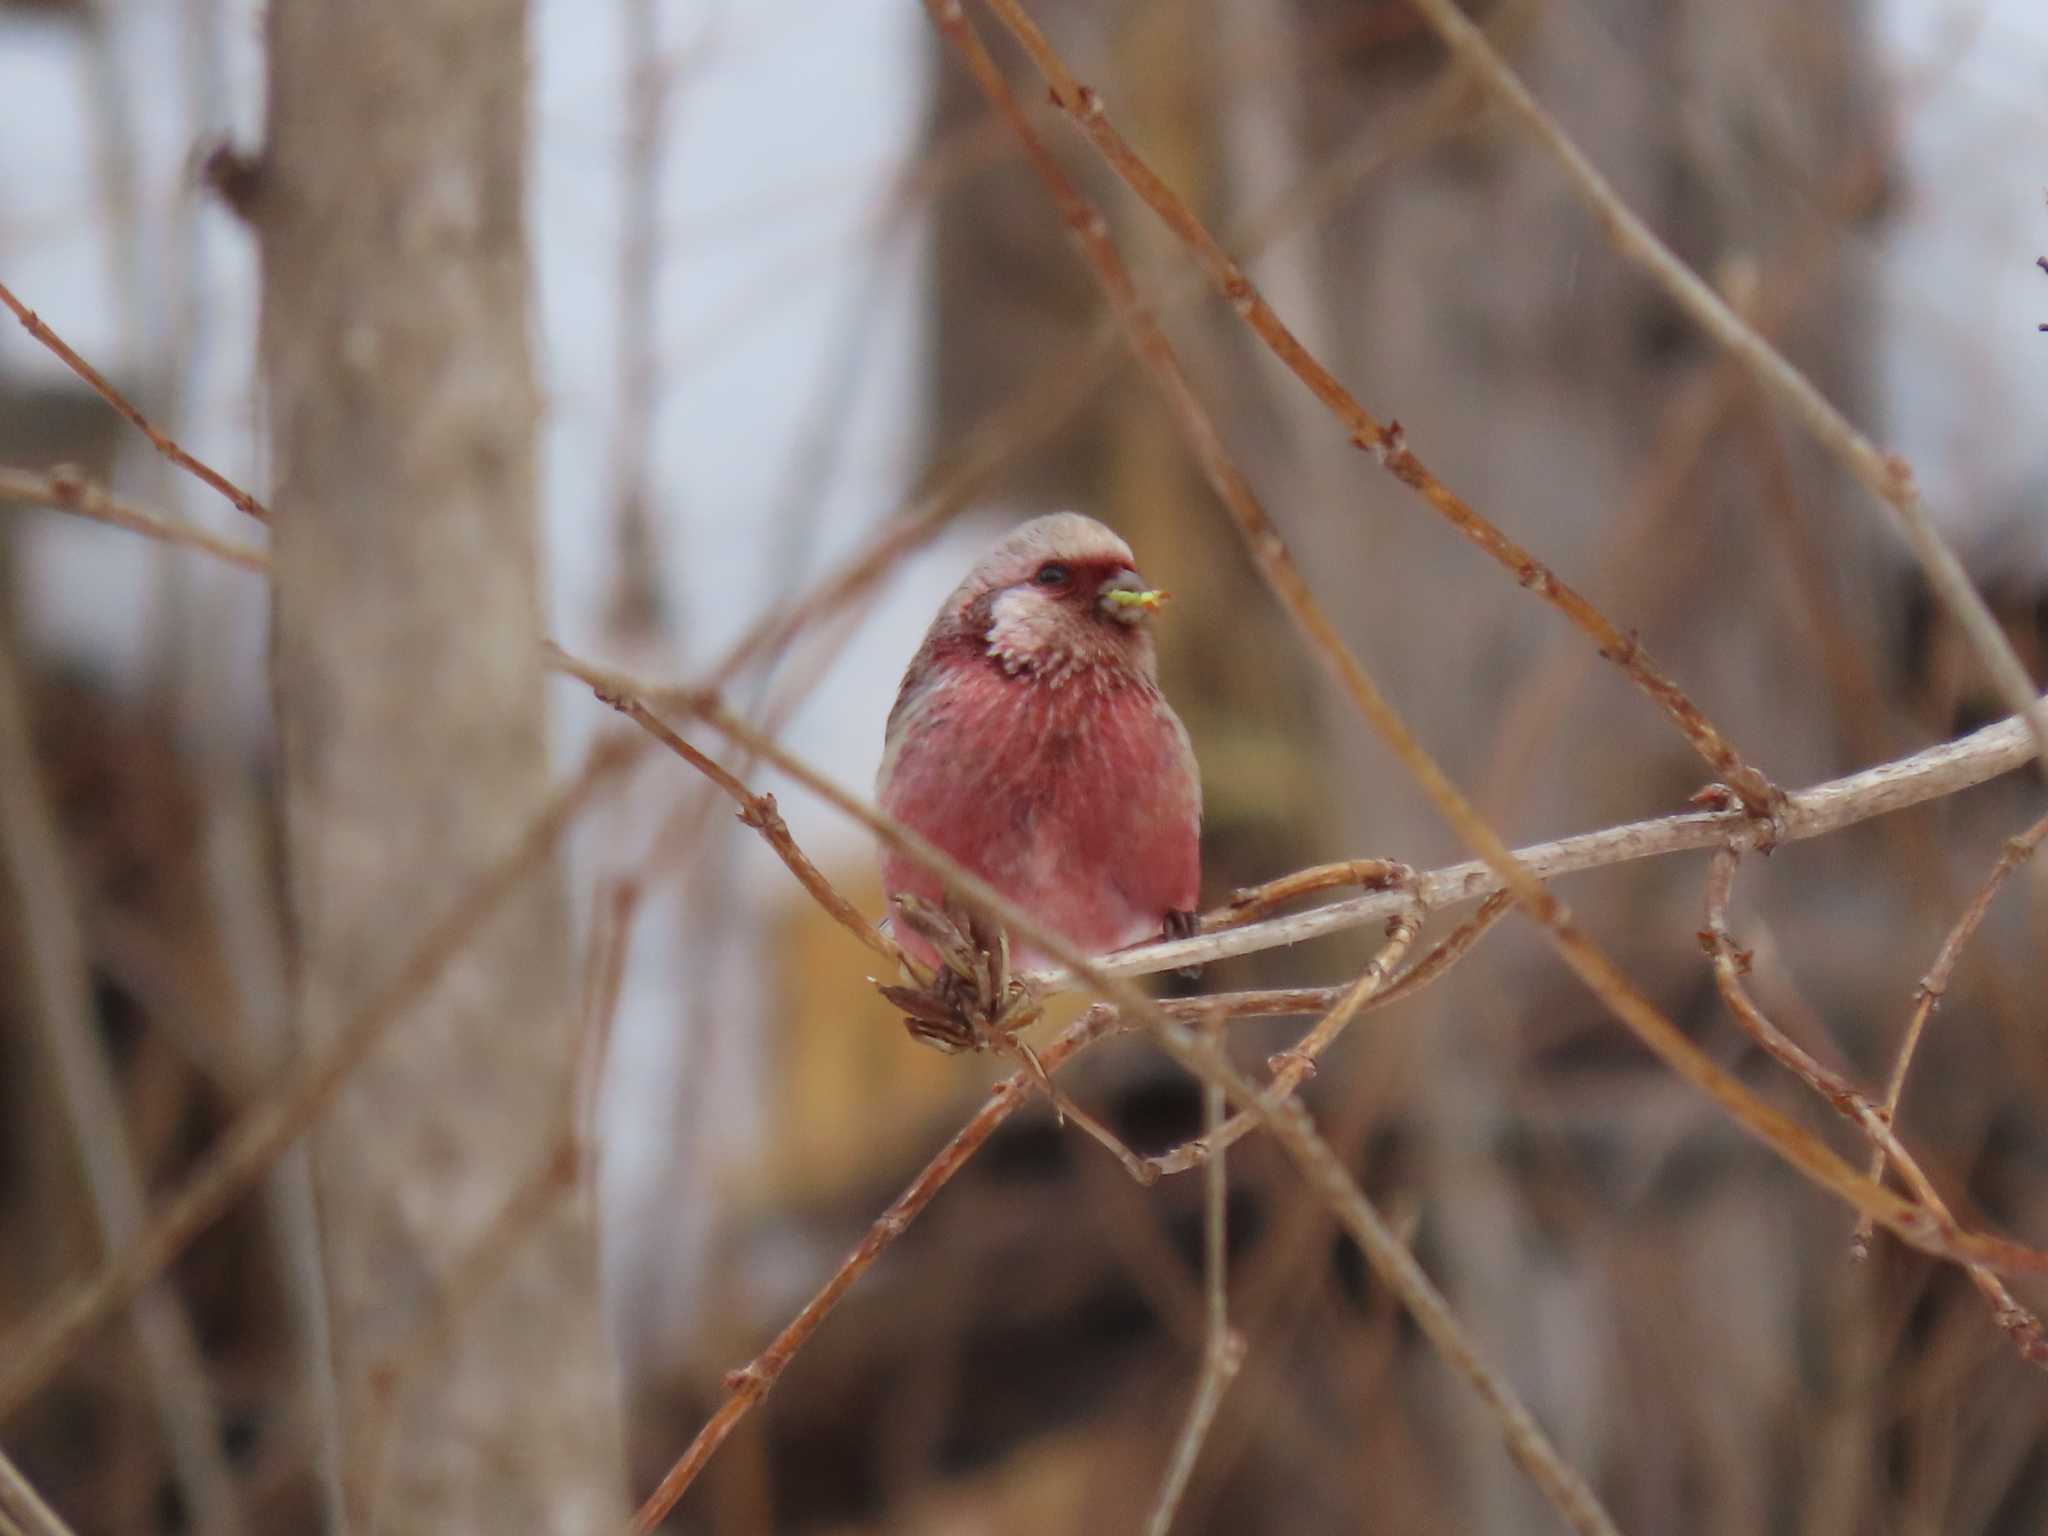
x: 414, y: 746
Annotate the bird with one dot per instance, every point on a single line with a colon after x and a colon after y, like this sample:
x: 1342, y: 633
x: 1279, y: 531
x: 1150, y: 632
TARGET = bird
x: 1030, y: 742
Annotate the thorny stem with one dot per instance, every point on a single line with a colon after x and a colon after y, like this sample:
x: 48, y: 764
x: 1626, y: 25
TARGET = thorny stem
x: 1798, y: 1146
x: 1730, y: 964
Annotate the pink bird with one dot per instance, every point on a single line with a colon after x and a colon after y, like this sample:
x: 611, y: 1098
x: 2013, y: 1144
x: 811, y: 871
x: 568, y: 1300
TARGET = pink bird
x: 1030, y: 741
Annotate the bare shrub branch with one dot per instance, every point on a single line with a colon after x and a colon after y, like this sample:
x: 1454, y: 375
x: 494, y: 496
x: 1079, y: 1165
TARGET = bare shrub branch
x: 35, y: 326
x: 66, y: 490
x: 1730, y: 963
x: 1933, y: 986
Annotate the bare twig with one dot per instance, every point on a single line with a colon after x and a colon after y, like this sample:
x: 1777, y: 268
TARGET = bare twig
x: 30, y: 1356
x: 1397, y: 1269
x: 1825, y: 808
x: 1297, y: 1063
x: 1223, y: 1347
x: 756, y: 811
x: 22, y: 1510
x: 1730, y: 963
x: 1887, y: 476
x: 67, y: 490
x: 35, y: 326
x: 1934, y: 985
x: 750, y: 1383
x: 1249, y: 905
x: 1387, y: 443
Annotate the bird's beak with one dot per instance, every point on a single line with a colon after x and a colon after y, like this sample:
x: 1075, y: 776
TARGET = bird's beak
x: 1125, y: 597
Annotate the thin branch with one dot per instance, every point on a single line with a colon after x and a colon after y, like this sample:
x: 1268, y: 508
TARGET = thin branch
x: 1223, y: 1349
x: 22, y: 1510
x: 1292, y: 1066
x: 756, y: 811
x: 1397, y: 1269
x: 1826, y: 808
x: 750, y: 1383
x: 1258, y: 901
x: 65, y: 489
x: 33, y: 1353
x: 1934, y: 985
x: 1386, y: 443
x: 34, y: 325
x: 1886, y: 475
x: 1730, y: 963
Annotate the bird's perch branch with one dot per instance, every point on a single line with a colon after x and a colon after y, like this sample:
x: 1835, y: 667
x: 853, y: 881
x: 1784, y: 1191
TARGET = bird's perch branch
x: 1808, y: 813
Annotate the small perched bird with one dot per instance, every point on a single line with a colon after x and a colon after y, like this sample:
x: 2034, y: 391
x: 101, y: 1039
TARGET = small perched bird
x: 1029, y: 741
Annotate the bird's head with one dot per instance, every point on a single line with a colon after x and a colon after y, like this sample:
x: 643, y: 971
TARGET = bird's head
x: 1059, y: 595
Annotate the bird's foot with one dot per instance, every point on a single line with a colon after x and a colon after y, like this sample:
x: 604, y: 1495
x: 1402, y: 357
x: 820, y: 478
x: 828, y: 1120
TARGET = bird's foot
x: 1181, y: 924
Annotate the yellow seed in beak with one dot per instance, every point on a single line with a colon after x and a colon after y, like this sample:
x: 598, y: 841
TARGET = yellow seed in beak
x: 1120, y: 598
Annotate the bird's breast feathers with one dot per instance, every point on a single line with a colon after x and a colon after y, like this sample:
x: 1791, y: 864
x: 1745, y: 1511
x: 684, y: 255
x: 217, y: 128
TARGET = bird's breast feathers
x: 1034, y: 785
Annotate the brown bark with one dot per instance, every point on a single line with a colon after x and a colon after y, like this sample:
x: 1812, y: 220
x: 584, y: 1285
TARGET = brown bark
x: 411, y: 718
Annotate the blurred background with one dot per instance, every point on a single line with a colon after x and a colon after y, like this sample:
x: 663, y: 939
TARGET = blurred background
x: 787, y: 271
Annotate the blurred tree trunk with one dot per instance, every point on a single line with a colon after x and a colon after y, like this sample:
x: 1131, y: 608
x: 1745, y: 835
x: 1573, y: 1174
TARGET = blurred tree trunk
x: 410, y: 712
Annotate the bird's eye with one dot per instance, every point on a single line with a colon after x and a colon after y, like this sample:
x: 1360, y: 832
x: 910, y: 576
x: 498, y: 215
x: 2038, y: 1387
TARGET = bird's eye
x: 1051, y: 574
